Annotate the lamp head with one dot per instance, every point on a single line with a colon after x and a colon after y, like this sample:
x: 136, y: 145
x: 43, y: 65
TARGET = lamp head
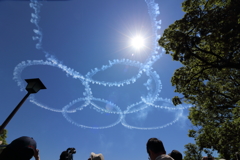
x: 34, y: 85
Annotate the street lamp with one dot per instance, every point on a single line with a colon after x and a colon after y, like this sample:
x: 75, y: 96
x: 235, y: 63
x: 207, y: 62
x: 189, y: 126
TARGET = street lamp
x: 34, y: 85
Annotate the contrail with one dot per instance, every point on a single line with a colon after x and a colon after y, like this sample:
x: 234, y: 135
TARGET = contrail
x: 153, y: 83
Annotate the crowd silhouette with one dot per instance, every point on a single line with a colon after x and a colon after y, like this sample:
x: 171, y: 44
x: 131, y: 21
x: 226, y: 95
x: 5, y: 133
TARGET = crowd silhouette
x: 25, y: 148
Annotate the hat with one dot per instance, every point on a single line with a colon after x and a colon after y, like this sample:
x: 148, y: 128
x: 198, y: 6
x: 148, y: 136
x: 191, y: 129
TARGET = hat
x: 96, y: 156
x: 176, y: 155
x: 23, y: 143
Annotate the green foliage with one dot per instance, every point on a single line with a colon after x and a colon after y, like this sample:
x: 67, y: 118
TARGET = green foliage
x: 192, y: 152
x: 176, y: 100
x: 3, y: 137
x: 207, y: 42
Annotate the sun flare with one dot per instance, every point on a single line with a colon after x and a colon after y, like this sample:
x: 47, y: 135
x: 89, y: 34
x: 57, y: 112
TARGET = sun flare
x: 138, y: 42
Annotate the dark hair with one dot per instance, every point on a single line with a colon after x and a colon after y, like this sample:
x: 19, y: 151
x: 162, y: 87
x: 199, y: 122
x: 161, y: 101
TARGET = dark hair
x: 68, y: 154
x: 22, y: 148
x: 176, y: 155
x: 23, y: 154
x: 155, y: 145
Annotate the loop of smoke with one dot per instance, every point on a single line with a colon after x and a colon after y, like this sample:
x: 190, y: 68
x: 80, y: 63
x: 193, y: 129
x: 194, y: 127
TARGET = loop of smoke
x: 144, y: 68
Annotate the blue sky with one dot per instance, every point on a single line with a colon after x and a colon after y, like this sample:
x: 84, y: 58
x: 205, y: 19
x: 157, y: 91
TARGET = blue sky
x: 82, y: 36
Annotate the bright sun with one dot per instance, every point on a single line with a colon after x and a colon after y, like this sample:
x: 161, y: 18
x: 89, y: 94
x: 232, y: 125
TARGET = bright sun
x: 138, y: 42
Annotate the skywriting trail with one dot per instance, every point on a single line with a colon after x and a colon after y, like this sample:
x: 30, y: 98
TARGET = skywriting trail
x: 153, y: 84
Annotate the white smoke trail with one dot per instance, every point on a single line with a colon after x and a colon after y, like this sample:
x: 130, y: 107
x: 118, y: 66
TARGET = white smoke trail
x: 153, y: 83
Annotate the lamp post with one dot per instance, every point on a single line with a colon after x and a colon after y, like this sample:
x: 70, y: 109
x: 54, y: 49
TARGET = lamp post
x: 33, y: 86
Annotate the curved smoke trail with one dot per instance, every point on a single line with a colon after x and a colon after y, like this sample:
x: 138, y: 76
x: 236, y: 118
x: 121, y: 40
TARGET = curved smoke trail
x: 143, y: 68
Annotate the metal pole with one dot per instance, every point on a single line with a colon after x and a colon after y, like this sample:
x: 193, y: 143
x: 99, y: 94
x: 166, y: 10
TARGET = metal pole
x: 13, y: 112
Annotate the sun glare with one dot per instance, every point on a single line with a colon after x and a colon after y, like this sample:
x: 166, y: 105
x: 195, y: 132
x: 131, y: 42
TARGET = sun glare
x: 138, y: 42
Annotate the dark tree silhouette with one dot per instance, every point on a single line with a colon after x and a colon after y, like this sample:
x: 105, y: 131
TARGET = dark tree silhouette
x: 207, y: 42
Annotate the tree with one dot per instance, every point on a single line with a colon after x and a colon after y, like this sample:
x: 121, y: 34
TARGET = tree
x: 3, y: 137
x: 193, y: 152
x: 207, y: 42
